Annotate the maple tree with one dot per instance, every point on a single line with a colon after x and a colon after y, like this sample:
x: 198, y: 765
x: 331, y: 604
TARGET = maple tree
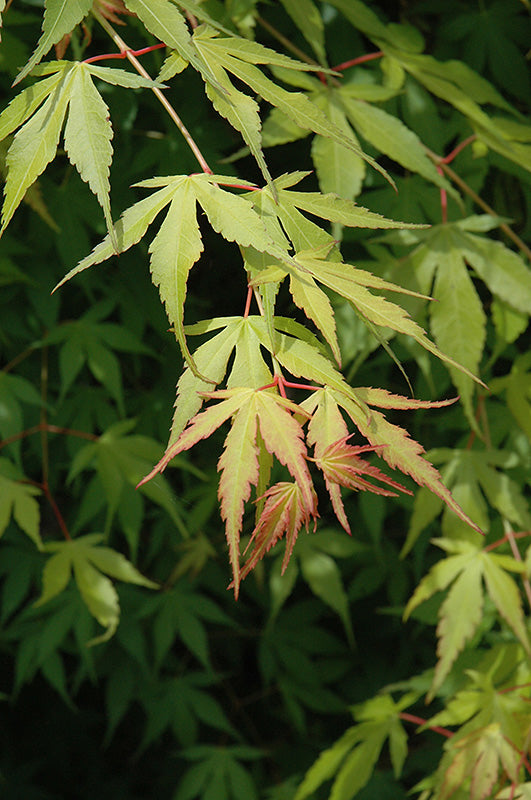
x: 299, y: 429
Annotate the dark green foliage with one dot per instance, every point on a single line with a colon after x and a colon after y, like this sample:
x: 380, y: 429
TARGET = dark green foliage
x: 127, y: 670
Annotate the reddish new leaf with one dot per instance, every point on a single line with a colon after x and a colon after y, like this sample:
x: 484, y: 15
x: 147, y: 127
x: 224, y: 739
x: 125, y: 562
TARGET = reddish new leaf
x: 342, y: 466
x: 285, y: 512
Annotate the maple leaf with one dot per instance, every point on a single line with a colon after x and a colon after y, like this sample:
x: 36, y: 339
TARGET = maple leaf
x: 461, y: 612
x: 341, y: 466
x: 40, y: 110
x: 285, y: 511
x: 178, y: 245
x: 91, y: 564
x: 239, y: 464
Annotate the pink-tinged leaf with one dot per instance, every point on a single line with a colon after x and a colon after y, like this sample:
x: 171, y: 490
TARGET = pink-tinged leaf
x: 401, y: 452
x: 284, y: 437
x: 203, y: 425
x: 384, y: 399
x: 239, y: 470
x: 285, y: 511
x: 341, y: 466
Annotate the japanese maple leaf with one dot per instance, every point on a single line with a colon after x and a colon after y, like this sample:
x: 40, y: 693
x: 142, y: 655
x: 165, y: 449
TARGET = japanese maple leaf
x: 280, y: 433
x: 342, y: 466
x: 286, y: 510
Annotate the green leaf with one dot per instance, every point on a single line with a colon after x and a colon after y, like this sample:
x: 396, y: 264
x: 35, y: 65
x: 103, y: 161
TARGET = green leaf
x: 60, y: 18
x: 35, y: 145
x: 458, y: 321
x: 390, y: 136
x: 18, y: 500
x: 340, y: 170
x: 90, y: 564
x: 87, y: 136
x: 174, y: 250
x: 25, y: 103
x: 307, y: 18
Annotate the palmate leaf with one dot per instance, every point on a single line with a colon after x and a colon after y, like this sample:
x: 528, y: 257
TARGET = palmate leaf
x: 397, y: 448
x: 17, y: 500
x: 461, y: 612
x: 92, y: 566
x: 177, y: 245
x: 282, y: 436
x: 352, y: 758
x: 239, y: 58
x: 87, y: 135
x: 60, y: 18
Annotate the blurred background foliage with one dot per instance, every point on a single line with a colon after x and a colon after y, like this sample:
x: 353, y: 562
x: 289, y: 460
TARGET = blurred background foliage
x: 197, y: 695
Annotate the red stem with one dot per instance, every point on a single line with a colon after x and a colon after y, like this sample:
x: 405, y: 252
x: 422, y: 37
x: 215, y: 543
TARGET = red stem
x: 455, y: 152
x: 124, y: 53
x: 55, y: 509
x: 498, y: 542
x: 248, y: 302
x: 50, y: 429
x: 279, y: 381
x: 444, y: 201
x: 359, y: 60
x: 419, y: 721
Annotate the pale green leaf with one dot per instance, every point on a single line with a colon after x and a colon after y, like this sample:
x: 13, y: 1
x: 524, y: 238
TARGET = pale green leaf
x: 175, y: 249
x: 34, y: 146
x: 505, y: 595
x: 439, y: 577
x: 211, y: 359
x: 119, y: 77
x: 164, y: 20
x: 316, y: 305
x: 327, y: 764
x: 249, y: 367
x: 338, y: 209
x: 233, y: 217
x: 55, y: 576
x: 60, y: 18
x: 99, y: 595
x: 459, y: 617
x: 296, y: 106
x: 25, y: 103
x: 279, y: 128
x: 241, y: 111
x: 339, y: 170
x: 173, y: 65
x: 390, y: 136
x: 117, y: 566
x: 246, y: 50
x: 503, y: 493
x: 87, y: 137
x: 458, y: 322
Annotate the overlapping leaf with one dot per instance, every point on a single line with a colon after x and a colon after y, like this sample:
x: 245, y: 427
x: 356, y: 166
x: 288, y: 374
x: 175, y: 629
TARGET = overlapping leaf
x: 461, y: 612
x: 177, y: 245
x: 238, y: 465
x: 351, y: 759
x: 87, y: 135
x: 17, y: 500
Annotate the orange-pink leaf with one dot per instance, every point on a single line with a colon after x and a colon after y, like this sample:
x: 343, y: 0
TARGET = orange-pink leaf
x: 285, y: 512
x: 342, y: 466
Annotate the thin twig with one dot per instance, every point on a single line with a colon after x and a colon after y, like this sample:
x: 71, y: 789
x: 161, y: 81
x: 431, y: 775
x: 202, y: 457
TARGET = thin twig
x: 50, y: 429
x: 123, y: 47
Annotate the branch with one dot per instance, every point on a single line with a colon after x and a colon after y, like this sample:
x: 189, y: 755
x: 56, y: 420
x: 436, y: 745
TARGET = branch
x: 123, y: 47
